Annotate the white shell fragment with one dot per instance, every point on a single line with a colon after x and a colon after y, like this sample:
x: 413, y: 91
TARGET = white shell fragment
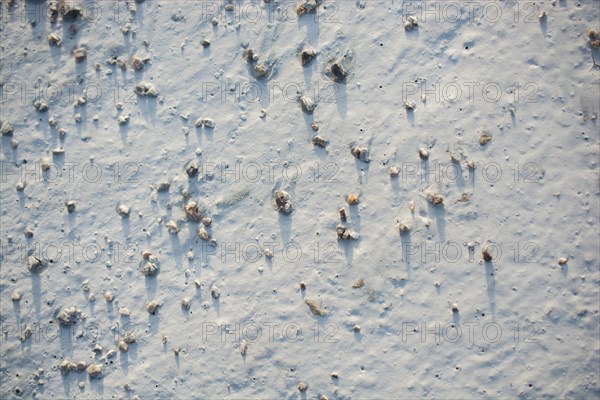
x: 411, y: 23
x: 6, y: 129
x: 186, y: 303
x: 283, y: 202
x: 149, y: 269
x: 123, y: 210
x: 152, y: 307
x: 563, y: 260
x: 94, y: 370
x: 202, y: 233
x: 307, y: 105
x: 361, y: 153
x: 172, y: 227
x: 208, y: 123
x: 146, y: 89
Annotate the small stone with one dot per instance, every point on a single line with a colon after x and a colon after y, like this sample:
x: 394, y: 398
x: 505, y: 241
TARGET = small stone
x: 202, y: 233
x: 404, y: 228
x: 79, y: 54
x: 314, y: 308
x: 123, y: 346
x: 16, y: 296
x: 410, y: 105
x: 149, y: 269
x: 352, y: 199
x: 250, y: 56
x: 283, y: 202
x: 53, y: 38
x: 487, y: 257
x: 340, y: 74
x: 146, y: 89
x: 484, y: 138
x: 163, y: 186
x: 343, y: 216
x: 393, y: 171
x: 41, y: 106
x: 307, y: 56
x: 260, y: 71
x: 192, y: 169
x: 411, y: 23
x: 319, y: 141
x: 70, y: 206
x: 454, y: 308
x: 314, y: 126
x: 192, y: 212
x: 207, y: 221
x: 109, y: 297
x: 215, y: 292
x: 137, y: 63
x: 172, y: 227
x: 358, y: 284
x: 243, y: 347
x: 208, y: 123
x: 152, y: 307
x: 124, y: 311
x: 28, y: 232
x: 123, y: 210
x: 361, y: 153
x: 302, y: 286
x: 302, y: 387
x: 205, y: 43
x: 423, y: 154
x: 35, y: 264
x: 562, y: 260
x: 435, y: 199
x: 67, y: 316
x: 307, y: 105
x: 186, y: 304
x: 6, y: 129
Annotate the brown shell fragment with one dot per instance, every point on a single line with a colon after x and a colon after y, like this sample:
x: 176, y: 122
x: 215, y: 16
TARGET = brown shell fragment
x: 487, y: 257
x: 340, y: 74
x: 314, y: 308
x: 319, y: 141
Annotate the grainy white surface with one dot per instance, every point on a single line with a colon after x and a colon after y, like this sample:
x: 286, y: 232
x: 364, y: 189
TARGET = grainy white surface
x: 545, y: 205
